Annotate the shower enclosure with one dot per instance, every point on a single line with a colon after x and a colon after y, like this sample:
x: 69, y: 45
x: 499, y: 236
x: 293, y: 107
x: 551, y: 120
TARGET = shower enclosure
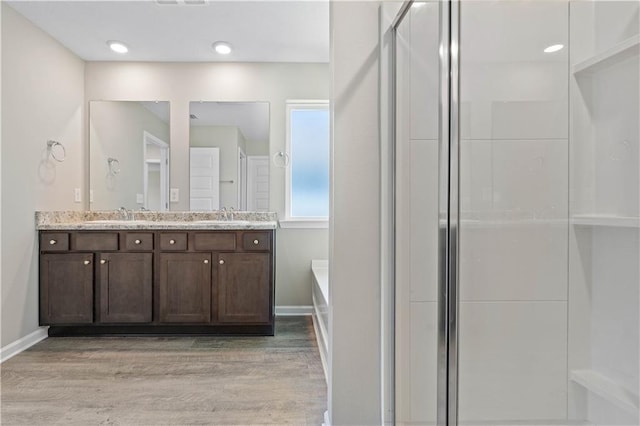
x: 516, y: 193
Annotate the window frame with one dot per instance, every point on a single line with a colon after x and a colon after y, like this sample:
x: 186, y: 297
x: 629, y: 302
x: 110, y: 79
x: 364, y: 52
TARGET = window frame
x: 289, y: 220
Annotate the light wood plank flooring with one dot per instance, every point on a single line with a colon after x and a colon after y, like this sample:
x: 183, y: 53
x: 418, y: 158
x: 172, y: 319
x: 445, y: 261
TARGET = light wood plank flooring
x: 168, y: 380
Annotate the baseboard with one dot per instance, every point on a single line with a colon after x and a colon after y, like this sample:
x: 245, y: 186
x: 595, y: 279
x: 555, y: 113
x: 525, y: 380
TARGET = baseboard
x: 290, y: 311
x: 322, y: 348
x: 14, y: 348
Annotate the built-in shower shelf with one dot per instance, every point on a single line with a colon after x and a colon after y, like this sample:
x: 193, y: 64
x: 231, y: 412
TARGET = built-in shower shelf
x: 606, y: 388
x: 606, y: 220
x: 510, y: 223
x: 617, y: 53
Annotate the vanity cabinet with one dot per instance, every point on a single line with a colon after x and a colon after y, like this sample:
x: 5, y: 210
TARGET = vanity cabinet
x: 85, y: 277
x: 66, y: 288
x: 244, y: 280
x: 125, y: 285
x: 157, y: 282
x: 185, y: 288
x: 243, y: 288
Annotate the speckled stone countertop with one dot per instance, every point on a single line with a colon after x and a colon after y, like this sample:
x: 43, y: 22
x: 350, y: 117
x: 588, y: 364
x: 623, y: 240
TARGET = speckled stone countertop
x: 113, y: 220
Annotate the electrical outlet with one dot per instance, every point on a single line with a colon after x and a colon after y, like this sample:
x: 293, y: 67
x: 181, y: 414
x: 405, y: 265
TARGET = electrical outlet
x: 140, y: 198
x: 77, y: 195
x: 91, y: 195
x: 174, y: 195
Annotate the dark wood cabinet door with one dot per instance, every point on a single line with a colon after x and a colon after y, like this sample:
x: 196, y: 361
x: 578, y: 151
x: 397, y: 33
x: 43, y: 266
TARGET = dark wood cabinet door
x: 244, y: 287
x: 66, y: 288
x: 125, y: 283
x: 184, y: 287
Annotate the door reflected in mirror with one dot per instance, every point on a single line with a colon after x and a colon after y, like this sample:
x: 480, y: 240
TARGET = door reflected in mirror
x: 129, y: 153
x: 156, y: 173
x: 229, y: 156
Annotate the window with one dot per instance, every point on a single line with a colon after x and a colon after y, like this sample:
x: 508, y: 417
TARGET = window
x: 307, y: 200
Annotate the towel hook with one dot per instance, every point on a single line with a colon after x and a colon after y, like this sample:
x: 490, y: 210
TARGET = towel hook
x: 114, y: 166
x: 61, y: 153
x: 284, y: 156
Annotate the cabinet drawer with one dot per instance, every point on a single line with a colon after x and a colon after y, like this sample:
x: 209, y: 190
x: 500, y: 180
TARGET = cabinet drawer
x: 256, y: 241
x: 215, y: 241
x: 173, y: 241
x: 94, y: 241
x: 134, y: 241
x: 54, y: 241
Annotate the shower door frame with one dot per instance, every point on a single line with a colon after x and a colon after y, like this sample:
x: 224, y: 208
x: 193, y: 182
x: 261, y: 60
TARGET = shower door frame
x: 448, y: 199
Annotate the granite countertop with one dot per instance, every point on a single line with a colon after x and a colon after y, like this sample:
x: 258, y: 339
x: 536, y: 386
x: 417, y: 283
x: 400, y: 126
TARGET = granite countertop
x: 146, y: 220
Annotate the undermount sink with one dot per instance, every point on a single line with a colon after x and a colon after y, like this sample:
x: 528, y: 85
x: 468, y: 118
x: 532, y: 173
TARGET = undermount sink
x: 222, y: 222
x: 119, y: 222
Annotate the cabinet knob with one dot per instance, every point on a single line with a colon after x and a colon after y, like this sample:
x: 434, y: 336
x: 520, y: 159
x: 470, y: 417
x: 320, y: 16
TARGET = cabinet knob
x: 221, y: 261
x: 172, y: 241
x: 256, y: 242
x: 206, y: 261
x: 52, y: 242
x: 137, y: 241
x: 102, y: 261
x: 86, y: 262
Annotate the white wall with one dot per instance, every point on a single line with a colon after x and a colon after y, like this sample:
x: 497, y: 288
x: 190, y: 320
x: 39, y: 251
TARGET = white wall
x: 257, y: 147
x: 182, y: 83
x: 42, y: 98
x: 354, y: 237
x: 153, y: 196
x: 116, y: 130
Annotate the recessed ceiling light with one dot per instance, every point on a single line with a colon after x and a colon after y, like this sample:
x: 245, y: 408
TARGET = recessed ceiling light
x: 117, y: 46
x: 553, y: 48
x: 222, y: 47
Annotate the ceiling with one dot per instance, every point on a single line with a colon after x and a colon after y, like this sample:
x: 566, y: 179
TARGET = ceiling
x: 157, y: 30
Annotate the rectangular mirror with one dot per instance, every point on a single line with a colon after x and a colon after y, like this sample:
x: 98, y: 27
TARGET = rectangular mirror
x: 129, y: 154
x: 229, y: 156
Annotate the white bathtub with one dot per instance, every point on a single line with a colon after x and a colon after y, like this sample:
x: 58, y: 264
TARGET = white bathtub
x: 320, y: 294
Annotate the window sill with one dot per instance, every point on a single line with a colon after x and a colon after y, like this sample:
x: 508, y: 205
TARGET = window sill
x: 304, y: 223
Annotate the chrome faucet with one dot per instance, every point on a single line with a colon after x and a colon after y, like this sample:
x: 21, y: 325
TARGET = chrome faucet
x: 224, y: 213
x: 231, y: 211
x: 124, y: 212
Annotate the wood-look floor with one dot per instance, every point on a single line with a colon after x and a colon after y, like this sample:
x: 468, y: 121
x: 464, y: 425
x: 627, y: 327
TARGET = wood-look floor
x: 168, y: 380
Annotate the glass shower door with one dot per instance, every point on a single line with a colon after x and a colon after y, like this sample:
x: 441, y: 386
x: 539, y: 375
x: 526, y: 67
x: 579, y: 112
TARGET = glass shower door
x: 416, y: 213
x: 514, y: 126
x: 517, y: 213
x: 549, y: 187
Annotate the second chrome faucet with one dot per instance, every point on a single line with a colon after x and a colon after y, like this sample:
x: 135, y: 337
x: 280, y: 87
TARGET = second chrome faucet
x: 227, y: 214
